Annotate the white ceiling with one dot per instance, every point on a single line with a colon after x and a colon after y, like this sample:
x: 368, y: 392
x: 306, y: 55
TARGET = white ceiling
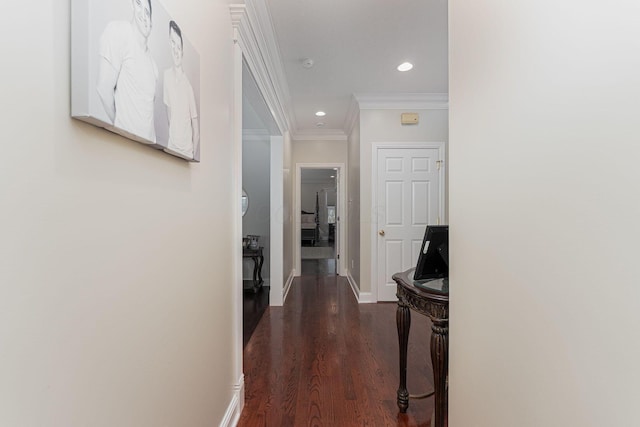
x: 356, y: 46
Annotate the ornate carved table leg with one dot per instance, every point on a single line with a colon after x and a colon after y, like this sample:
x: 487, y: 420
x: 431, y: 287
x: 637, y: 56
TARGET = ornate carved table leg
x: 260, y: 281
x: 440, y: 360
x: 256, y: 263
x: 403, y: 321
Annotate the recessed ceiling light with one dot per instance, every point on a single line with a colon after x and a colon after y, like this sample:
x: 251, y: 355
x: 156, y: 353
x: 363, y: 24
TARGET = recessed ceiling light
x: 405, y: 66
x: 321, y: 114
x: 319, y: 124
x: 307, y: 62
x: 332, y: 176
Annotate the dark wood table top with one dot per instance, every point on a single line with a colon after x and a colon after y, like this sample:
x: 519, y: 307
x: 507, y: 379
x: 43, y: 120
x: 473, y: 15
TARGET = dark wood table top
x: 248, y: 252
x: 434, y: 289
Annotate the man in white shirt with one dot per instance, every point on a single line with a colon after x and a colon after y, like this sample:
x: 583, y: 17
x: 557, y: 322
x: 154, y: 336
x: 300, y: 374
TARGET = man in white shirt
x: 184, y: 133
x: 128, y: 74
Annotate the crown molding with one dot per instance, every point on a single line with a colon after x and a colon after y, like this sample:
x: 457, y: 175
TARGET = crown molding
x: 319, y: 135
x: 253, y: 31
x: 236, y: 10
x: 256, y: 135
x: 401, y: 101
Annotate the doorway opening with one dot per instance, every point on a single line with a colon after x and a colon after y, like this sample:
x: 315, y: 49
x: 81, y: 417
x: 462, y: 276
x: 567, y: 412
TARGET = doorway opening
x: 318, y: 221
x: 261, y: 237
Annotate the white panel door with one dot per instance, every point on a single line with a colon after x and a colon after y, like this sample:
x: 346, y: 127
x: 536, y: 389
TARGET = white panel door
x: 408, y: 199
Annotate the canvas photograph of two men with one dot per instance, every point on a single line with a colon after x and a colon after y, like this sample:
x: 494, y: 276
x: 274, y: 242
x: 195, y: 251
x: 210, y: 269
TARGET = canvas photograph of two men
x: 134, y: 73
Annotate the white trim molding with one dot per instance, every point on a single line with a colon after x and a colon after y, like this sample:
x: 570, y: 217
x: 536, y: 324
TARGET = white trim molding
x: 401, y: 101
x: 234, y: 409
x: 366, y: 298
x: 287, y: 285
x: 236, y: 245
x: 361, y: 297
x: 276, y: 221
x: 354, y: 285
x: 253, y: 32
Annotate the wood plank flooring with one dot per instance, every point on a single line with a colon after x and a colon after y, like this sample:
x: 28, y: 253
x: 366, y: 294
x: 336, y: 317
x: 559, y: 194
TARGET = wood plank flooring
x: 253, y: 307
x: 318, y: 267
x: 325, y: 360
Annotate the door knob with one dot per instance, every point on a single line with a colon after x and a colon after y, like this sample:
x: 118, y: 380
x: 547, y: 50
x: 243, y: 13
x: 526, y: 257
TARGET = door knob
x: 381, y: 232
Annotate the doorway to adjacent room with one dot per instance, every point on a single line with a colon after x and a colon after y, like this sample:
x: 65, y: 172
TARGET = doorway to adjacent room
x: 318, y: 221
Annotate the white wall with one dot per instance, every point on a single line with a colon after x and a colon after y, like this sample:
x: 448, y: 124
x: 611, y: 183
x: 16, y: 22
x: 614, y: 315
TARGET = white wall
x: 319, y: 152
x: 256, y: 155
x: 383, y: 126
x: 115, y: 278
x: 545, y: 208
x: 353, y: 203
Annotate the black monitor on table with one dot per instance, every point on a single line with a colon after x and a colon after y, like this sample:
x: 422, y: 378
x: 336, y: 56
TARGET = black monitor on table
x: 433, y: 261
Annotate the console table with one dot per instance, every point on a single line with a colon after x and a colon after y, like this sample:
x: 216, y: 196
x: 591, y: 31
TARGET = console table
x: 258, y: 259
x: 430, y: 298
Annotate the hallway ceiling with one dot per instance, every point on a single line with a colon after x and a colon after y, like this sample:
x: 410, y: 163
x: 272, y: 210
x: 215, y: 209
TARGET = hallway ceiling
x: 356, y: 46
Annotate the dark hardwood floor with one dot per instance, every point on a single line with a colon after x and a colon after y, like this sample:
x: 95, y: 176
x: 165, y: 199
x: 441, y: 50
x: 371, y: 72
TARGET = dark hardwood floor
x: 318, y: 267
x: 253, y: 307
x: 325, y: 360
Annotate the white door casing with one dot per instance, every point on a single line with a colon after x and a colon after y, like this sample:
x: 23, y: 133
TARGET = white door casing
x: 276, y: 222
x: 408, y: 195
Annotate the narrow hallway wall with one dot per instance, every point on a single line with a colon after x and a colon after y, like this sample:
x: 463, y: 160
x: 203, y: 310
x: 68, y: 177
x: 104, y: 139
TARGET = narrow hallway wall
x: 115, y: 277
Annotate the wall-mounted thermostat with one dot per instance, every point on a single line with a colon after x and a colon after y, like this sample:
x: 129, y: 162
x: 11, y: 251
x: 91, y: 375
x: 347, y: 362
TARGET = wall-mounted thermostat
x: 409, y: 118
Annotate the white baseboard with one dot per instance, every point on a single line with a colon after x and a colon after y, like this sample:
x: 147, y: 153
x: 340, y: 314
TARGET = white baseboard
x: 366, y: 298
x: 354, y: 285
x: 232, y: 415
x: 287, y: 285
x: 362, y: 297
